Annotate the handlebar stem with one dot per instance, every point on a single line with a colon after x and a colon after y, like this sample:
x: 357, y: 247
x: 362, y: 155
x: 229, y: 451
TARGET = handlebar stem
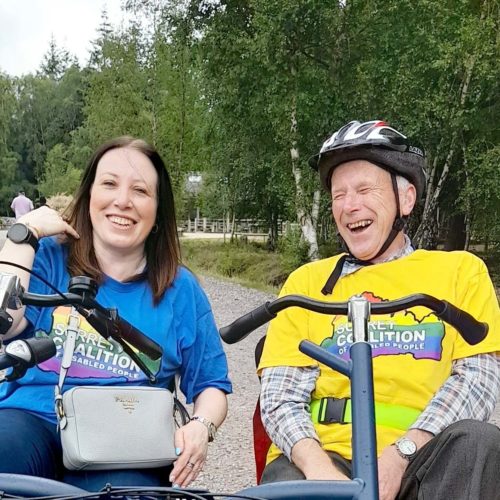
x: 359, y: 314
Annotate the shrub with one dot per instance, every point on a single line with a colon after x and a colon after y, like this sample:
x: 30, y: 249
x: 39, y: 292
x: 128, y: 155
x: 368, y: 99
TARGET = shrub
x: 248, y: 263
x: 59, y: 202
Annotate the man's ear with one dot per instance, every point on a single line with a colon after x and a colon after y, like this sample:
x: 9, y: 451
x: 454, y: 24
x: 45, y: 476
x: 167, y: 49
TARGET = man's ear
x: 408, y: 198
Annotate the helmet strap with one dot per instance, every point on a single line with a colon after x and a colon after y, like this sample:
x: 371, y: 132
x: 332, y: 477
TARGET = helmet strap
x: 399, y: 222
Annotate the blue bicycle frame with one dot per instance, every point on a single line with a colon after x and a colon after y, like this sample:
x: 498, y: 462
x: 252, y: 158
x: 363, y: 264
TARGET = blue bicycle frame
x: 364, y: 485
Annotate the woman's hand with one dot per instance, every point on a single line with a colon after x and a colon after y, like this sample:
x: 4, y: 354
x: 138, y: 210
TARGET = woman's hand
x: 45, y: 221
x: 191, y: 442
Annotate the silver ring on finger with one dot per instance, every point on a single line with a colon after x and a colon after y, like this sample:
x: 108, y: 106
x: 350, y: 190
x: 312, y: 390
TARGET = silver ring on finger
x: 190, y: 465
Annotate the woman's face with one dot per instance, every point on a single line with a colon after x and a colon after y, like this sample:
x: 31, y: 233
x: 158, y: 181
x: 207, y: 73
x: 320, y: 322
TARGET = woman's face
x: 123, y: 200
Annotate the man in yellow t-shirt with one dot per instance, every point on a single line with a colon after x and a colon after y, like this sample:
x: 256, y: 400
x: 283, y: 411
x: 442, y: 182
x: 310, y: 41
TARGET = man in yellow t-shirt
x: 433, y: 391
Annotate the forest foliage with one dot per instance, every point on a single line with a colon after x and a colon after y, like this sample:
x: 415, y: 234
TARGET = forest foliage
x: 244, y: 91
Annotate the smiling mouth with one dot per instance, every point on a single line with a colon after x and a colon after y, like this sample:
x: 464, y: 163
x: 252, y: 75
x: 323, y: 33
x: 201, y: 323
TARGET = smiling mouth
x: 359, y: 226
x: 121, y: 222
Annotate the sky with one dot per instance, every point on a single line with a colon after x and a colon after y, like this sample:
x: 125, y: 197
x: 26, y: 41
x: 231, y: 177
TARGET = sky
x: 26, y: 28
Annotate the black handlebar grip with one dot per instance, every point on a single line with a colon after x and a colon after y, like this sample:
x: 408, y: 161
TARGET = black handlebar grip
x: 42, y: 349
x: 243, y: 326
x: 470, y: 329
x: 118, y: 329
x: 99, y: 322
x: 136, y: 338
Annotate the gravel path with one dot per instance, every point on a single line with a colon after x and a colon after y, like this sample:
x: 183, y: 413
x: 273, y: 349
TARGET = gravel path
x: 230, y: 464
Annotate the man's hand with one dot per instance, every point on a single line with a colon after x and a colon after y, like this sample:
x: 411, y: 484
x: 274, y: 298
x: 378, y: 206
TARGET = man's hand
x: 391, y: 468
x: 312, y: 460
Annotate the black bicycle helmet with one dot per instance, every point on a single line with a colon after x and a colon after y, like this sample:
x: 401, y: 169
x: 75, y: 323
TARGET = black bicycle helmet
x: 374, y: 141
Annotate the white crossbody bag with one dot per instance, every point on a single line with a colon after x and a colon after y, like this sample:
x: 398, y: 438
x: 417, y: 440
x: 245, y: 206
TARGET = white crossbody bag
x: 113, y: 427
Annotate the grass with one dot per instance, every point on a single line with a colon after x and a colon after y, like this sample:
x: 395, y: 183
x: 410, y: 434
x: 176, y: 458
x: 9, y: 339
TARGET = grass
x: 249, y: 264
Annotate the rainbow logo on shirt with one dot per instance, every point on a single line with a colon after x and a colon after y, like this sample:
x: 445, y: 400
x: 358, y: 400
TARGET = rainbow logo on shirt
x: 399, y: 333
x: 94, y: 356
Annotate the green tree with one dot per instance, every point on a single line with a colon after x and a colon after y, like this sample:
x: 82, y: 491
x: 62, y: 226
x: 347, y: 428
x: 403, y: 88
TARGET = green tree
x: 8, y: 158
x: 46, y: 114
x: 116, y: 86
x: 56, y: 61
x: 265, y: 77
x: 60, y: 176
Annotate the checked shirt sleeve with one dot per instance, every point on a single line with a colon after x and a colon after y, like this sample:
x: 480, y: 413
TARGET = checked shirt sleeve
x: 284, y: 400
x: 469, y: 393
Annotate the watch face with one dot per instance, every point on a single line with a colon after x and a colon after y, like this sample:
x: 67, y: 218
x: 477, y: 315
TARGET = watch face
x: 212, y: 431
x: 407, y: 446
x: 18, y: 233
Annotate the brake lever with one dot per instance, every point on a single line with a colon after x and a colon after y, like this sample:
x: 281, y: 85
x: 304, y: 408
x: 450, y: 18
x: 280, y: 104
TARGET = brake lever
x: 10, y: 293
x: 16, y: 373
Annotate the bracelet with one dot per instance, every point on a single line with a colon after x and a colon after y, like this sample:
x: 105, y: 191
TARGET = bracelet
x: 212, y: 430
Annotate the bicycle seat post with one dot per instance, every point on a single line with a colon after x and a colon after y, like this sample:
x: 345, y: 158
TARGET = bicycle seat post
x: 364, y: 443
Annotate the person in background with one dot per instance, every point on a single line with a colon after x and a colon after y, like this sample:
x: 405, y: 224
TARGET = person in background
x: 434, y: 393
x: 121, y: 231
x: 41, y: 202
x: 21, y: 205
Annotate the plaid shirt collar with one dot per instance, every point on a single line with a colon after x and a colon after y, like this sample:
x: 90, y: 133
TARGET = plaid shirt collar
x: 351, y: 267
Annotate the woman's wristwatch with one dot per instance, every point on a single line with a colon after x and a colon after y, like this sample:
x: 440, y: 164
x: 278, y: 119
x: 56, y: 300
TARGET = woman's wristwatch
x: 20, y: 233
x: 212, y: 430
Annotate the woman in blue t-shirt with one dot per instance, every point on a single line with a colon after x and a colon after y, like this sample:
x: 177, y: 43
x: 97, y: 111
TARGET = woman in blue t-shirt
x: 121, y: 231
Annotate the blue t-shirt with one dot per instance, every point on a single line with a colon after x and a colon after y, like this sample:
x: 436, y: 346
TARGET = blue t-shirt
x: 182, y: 323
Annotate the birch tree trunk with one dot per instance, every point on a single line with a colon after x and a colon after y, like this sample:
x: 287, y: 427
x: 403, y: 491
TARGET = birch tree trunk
x: 307, y: 219
x: 426, y: 234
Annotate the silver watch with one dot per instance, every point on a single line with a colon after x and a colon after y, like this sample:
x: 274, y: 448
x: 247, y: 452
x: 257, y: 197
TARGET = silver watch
x: 212, y: 430
x: 406, y: 448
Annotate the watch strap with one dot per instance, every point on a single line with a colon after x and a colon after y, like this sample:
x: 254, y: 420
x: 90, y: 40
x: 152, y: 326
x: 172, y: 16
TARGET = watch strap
x: 212, y: 430
x: 30, y: 238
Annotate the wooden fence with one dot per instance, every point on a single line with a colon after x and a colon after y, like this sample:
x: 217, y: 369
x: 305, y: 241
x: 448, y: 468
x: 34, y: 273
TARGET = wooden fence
x: 241, y: 226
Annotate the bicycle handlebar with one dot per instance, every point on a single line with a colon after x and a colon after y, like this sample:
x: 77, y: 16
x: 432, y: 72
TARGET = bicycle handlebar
x: 106, y: 322
x: 470, y: 329
x: 23, y: 354
x: 81, y: 295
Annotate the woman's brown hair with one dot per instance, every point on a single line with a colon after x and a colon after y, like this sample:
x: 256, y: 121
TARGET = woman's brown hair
x: 163, y: 255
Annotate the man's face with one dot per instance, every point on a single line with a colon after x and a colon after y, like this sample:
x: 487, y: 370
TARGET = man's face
x: 364, y: 207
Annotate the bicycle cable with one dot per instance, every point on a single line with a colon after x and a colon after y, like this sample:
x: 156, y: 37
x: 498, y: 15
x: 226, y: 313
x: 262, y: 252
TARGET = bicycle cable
x: 35, y: 274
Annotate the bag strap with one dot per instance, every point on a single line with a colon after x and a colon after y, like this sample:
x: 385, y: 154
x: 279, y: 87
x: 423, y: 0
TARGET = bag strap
x: 181, y: 414
x: 68, y: 350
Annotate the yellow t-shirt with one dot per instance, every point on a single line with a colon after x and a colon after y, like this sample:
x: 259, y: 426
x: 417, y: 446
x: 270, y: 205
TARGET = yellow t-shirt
x: 412, y: 350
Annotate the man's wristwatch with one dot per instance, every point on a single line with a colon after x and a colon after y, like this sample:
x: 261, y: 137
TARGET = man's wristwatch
x: 212, y: 430
x: 21, y: 233
x: 406, y: 448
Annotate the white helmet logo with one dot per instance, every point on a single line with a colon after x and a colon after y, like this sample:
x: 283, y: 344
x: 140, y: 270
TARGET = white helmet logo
x: 374, y: 133
x: 328, y: 142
